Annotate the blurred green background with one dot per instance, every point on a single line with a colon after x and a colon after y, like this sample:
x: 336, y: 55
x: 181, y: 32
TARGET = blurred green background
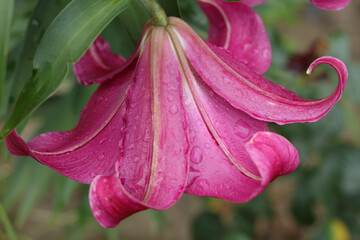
x: 320, y: 200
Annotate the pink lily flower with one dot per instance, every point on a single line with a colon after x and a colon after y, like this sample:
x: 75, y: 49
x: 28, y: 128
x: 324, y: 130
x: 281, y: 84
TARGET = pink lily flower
x: 323, y: 4
x: 180, y: 115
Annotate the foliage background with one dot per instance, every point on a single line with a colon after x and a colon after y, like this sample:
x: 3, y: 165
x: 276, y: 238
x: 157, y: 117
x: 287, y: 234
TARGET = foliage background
x: 320, y: 200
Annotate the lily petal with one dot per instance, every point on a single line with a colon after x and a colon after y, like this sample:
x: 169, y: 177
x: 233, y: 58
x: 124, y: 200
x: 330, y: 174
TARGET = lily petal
x: 249, y: 91
x: 239, y: 29
x: 92, y: 147
x: 330, y: 4
x: 153, y: 170
x: 220, y: 163
x: 98, y: 63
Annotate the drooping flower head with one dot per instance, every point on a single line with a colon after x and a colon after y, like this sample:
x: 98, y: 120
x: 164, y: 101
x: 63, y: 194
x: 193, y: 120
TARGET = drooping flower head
x: 180, y: 115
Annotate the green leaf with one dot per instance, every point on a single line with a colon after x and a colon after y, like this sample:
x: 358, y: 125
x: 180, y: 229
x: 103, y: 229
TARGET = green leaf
x: 40, y: 181
x: 7, y: 225
x: 64, y: 42
x: 6, y: 12
x: 44, y: 13
x: 171, y: 7
x: 134, y: 19
x: 64, y: 188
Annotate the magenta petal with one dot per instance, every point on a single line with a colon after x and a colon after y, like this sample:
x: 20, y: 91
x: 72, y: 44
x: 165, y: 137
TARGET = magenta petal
x: 220, y: 163
x: 153, y: 170
x: 251, y: 92
x: 239, y: 29
x: 98, y: 63
x: 273, y: 155
x: 330, y: 4
x: 92, y: 147
x: 253, y: 2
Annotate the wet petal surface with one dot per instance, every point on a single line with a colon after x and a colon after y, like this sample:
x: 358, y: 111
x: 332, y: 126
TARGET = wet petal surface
x: 251, y: 92
x: 98, y: 63
x: 153, y: 170
x: 92, y: 147
x: 237, y: 28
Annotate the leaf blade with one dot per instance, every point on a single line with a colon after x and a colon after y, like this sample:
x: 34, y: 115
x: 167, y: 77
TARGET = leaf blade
x: 64, y: 42
x: 6, y: 15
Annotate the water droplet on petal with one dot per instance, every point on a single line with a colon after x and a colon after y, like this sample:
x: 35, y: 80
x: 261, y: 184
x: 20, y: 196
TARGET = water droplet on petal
x: 170, y: 98
x: 136, y: 159
x: 196, y: 155
x: 102, y: 140
x: 100, y: 98
x: 173, y: 109
x: 101, y: 157
x: 147, y: 135
x: 242, y: 129
x: 202, y: 183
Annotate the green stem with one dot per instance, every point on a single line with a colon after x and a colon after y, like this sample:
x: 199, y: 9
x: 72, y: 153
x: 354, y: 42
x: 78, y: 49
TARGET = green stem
x: 156, y: 12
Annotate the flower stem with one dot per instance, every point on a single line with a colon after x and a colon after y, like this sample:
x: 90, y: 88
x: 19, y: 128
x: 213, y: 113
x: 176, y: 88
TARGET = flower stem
x: 156, y: 12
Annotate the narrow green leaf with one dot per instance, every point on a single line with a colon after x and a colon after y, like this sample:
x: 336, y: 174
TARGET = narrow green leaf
x: 7, y: 225
x: 64, y: 42
x: 44, y: 13
x: 6, y: 12
x: 134, y: 19
x: 18, y: 182
x: 171, y: 7
x: 40, y: 181
x: 64, y: 188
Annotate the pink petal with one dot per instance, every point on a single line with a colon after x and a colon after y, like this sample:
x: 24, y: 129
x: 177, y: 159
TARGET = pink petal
x: 153, y: 170
x: 220, y: 163
x: 92, y: 147
x: 253, y: 2
x: 249, y: 91
x: 330, y: 4
x: 98, y: 63
x: 237, y: 28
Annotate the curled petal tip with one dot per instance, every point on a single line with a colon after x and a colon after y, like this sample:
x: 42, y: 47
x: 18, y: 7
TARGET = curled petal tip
x: 337, y: 64
x: 330, y: 4
x: 273, y: 154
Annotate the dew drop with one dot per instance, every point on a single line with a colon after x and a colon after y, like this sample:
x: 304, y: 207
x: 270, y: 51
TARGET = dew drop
x: 173, y: 109
x: 100, y: 98
x: 102, y: 140
x: 101, y: 157
x: 147, y: 135
x: 170, y: 98
x: 136, y: 159
x: 207, y: 145
x: 196, y: 155
x: 202, y: 183
x: 35, y: 22
x: 242, y: 129
x: 131, y: 146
